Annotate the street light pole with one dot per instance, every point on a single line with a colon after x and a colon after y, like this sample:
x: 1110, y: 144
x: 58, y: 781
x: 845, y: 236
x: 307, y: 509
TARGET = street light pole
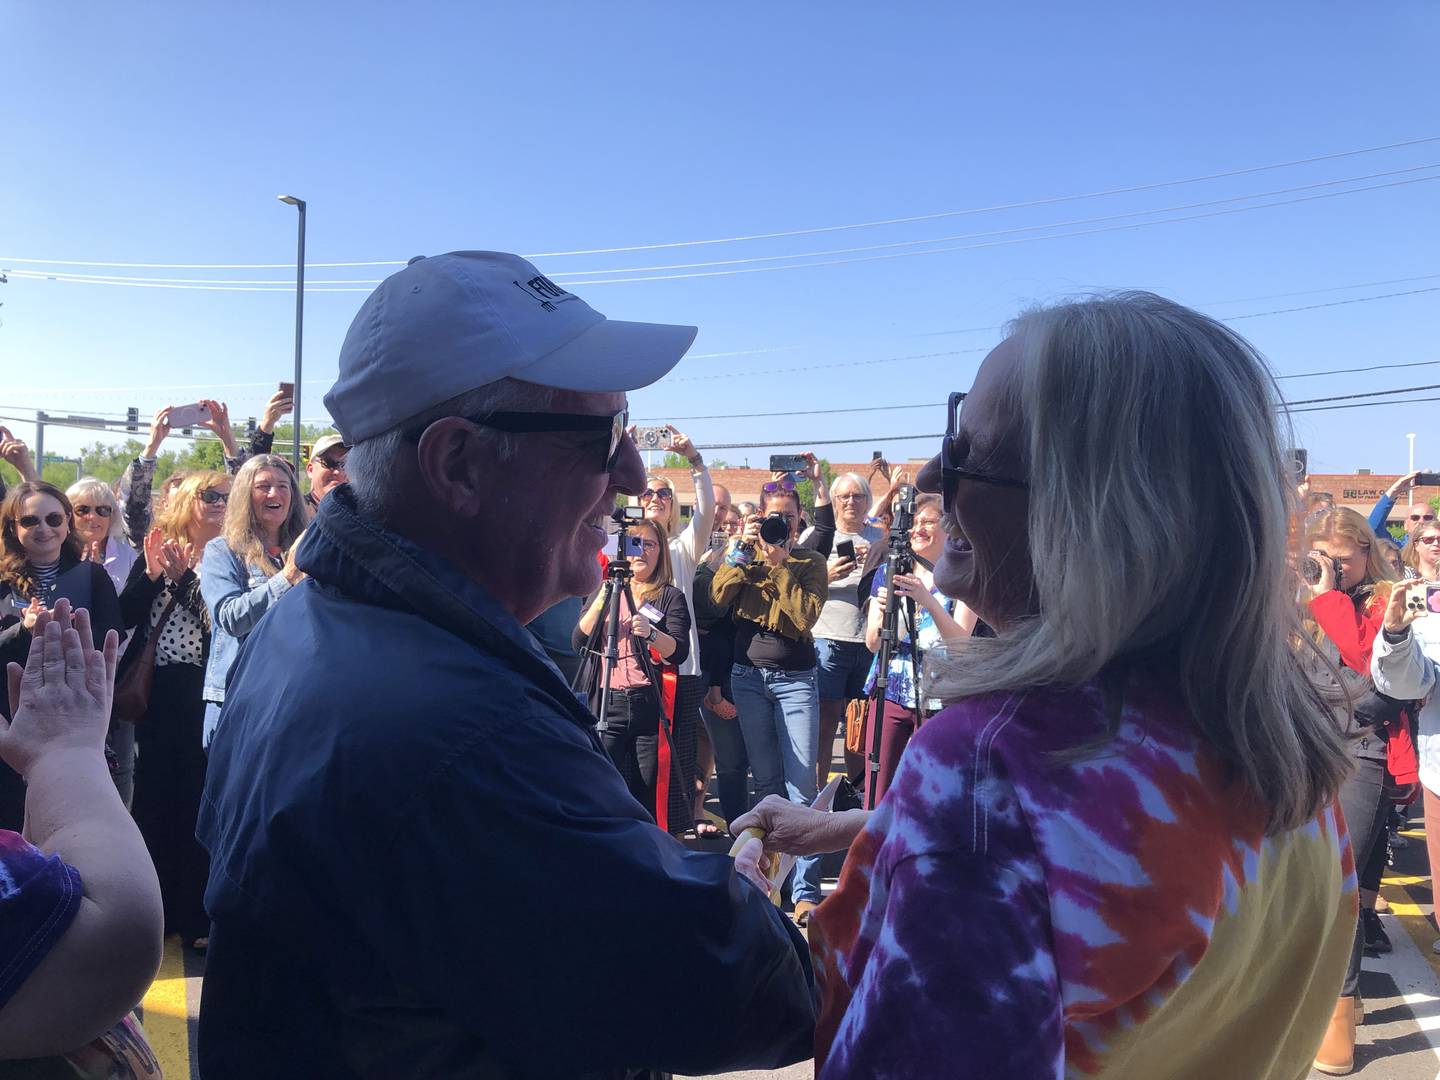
x: 1411, y: 437
x: 299, y: 205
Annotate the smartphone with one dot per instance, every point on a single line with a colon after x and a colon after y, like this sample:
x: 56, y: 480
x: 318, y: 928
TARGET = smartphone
x: 183, y: 416
x: 788, y: 463
x: 1432, y: 598
x: 876, y: 455
x: 634, y: 546
x: 653, y: 438
x: 288, y: 389
x: 845, y: 549
x: 1427, y: 479
x: 718, y: 540
x: 1298, y: 462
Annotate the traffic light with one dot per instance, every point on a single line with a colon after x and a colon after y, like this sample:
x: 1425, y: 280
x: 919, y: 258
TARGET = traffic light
x: 132, y: 419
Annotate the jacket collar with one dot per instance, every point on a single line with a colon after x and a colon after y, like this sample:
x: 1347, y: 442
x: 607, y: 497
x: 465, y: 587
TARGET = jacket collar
x: 349, y: 552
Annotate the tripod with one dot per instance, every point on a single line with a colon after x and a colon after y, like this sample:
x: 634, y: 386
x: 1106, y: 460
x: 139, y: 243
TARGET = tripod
x: 898, y: 560
x: 602, y: 655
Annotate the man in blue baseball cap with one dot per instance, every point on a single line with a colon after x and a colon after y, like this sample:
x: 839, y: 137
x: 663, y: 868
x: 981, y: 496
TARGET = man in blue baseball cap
x: 424, y: 865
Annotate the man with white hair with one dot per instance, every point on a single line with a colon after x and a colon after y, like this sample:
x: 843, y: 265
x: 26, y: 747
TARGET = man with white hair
x: 425, y: 865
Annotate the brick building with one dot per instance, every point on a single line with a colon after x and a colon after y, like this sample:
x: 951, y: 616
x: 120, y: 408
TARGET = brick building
x: 1360, y: 491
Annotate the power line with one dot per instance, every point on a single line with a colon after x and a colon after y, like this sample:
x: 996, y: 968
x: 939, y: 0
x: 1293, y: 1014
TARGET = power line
x: 997, y: 243
x: 283, y: 287
x: 1371, y: 394
x: 1003, y: 232
x: 1365, y: 404
x: 763, y: 236
x: 1358, y: 370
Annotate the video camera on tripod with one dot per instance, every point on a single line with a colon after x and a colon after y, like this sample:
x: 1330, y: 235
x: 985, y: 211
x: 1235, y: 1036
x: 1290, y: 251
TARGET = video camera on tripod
x: 899, y: 559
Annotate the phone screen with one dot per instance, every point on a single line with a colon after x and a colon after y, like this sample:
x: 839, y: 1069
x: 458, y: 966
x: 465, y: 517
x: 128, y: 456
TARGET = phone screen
x: 845, y: 549
x: 1432, y: 598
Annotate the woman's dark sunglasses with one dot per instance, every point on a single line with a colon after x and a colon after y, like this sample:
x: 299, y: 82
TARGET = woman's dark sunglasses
x: 657, y: 493
x: 778, y: 485
x: 30, y: 521
x: 212, y: 497
x: 85, y: 511
x: 954, y: 450
x: 518, y: 423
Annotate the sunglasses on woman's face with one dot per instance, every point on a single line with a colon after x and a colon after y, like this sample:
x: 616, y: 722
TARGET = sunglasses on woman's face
x: 211, y: 497
x: 30, y: 521
x: 954, y: 450
x: 1428, y: 540
x: 664, y: 494
x: 778, y: 485
x: 86, y: 511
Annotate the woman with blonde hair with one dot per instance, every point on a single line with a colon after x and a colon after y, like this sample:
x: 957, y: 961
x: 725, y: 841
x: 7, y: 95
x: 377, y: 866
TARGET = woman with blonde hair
x: 249, y: 566
x: 631, y: 728
x: 688, y: 544
x: 1421, y: 556
x: 163, y: 598
x: 99, y: 529
x: 1131, y: 791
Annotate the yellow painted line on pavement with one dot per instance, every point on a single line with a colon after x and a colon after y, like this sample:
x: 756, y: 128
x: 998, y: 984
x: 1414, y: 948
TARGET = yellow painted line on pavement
x: 167, y: 1014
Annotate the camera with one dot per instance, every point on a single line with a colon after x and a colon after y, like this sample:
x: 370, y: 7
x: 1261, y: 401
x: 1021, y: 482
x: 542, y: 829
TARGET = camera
x: 625, y: 516
x: 1311, y: 572
x: 774, y: 529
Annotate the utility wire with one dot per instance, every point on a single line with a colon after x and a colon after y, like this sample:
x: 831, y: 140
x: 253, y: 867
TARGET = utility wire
x: 764, y: 236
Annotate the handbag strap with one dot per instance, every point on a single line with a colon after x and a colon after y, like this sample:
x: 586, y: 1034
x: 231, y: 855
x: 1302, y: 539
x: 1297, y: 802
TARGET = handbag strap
x: 152, y: 643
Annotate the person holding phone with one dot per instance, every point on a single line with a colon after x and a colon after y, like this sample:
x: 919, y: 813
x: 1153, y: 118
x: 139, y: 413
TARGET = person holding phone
x: 688, y: 543
x: 841, y: 659
x: 1414, y: 516
x: 659, y: 622
x: 248, y: 567
x: 41, y: 564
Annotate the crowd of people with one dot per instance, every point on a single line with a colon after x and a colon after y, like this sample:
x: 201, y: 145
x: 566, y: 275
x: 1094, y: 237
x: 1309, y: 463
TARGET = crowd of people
x: 1067, y: 785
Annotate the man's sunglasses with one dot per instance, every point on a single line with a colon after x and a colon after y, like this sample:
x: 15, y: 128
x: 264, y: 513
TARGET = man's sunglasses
x: 954, y: 450
x: 331, y: 464
x: 524, y: 423
x: 30, y: 521
x: 86, y: 511
x: 657, y: 493
x: 1413, y: 517
x: 210, y: 496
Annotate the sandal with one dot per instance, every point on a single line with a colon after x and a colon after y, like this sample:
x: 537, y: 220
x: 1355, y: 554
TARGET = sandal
x: 199, y: 944
x: 706, y: 828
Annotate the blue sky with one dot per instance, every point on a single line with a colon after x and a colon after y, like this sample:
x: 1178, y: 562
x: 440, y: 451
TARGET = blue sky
x: 161, y: 133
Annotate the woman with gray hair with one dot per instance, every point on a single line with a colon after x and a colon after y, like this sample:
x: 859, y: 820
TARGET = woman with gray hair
x: 99, y: 528
x: 1131, y: 792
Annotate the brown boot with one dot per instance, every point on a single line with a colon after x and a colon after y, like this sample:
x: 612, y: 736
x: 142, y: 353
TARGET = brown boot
x: 1336, y: 1055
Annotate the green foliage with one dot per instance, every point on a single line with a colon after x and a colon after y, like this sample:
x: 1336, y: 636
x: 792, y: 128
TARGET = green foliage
x: 806, y: 490
x: 1397, y: 533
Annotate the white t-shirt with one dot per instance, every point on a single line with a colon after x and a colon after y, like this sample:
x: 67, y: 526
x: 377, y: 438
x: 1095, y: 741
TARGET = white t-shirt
x: 843, y: 616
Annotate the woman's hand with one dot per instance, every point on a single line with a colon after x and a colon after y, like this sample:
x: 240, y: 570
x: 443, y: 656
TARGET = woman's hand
x: 60, y: 699
x: 279, y: 405
x: 681, y: 444
x: 17, y: 454
x: 30, y: 617
x: 640, y: 625
x: 93, y: 551
x: 1405, y: 606
x: 799, y: 830
x: 174, y: 559
x: 912, y: 588
x: 1402, y: 484
x: 154, y: 554
x: 841, y: 569
x: 811, y: 471
x: 1327, y: 575
x: 293, y: 573
x: 219, y: 423
x: 159, y: 429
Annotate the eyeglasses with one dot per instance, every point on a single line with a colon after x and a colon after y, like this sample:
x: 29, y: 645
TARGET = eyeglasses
x: 30, y: 521
x: 1413, y: 517
x: 664, y: 494
x: 86, y: 511
x: 650, y: 547
x: 851, y: 496
x: 211, y: 496
x: 331, y: 464
x: 525, y: 423
x: 778, y: 485
x: 954, y: 450
x: 1428, y: 540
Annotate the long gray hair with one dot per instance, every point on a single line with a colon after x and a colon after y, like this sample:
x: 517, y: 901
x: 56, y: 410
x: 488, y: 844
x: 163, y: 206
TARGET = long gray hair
x: 1154, y: 456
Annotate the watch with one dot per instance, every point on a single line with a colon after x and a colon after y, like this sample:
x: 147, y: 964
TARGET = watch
x: 654, y: 632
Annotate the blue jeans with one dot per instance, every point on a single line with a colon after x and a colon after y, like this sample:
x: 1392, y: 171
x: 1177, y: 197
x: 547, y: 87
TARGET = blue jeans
x: 780, y: 717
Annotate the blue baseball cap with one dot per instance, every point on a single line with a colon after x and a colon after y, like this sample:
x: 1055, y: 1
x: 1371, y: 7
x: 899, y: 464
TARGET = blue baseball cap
x: 449, y: 324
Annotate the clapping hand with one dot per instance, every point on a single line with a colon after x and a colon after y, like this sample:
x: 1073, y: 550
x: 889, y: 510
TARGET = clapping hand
x: 60, y: 699
x: 93, y: 551
x: 30, y: 617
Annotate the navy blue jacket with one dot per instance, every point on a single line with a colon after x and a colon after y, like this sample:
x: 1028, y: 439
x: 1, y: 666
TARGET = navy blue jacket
x: 424, y: 864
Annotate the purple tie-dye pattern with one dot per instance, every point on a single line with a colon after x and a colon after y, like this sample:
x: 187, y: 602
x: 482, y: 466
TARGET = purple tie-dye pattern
x: 1010, y: 911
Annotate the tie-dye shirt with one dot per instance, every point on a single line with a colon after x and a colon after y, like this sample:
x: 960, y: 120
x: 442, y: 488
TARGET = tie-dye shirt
x: 1005, y: 913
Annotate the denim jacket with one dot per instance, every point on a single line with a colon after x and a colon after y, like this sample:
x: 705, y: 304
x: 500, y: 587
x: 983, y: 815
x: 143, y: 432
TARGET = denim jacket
x: 237, y: 596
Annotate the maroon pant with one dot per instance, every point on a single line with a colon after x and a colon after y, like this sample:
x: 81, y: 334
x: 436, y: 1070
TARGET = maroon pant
x: 897, y: 724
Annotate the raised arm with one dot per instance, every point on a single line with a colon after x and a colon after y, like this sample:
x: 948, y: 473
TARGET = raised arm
x: 696, y: 537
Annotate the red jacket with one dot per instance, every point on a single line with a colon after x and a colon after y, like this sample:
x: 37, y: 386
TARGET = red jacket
x: 1353, y: 631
